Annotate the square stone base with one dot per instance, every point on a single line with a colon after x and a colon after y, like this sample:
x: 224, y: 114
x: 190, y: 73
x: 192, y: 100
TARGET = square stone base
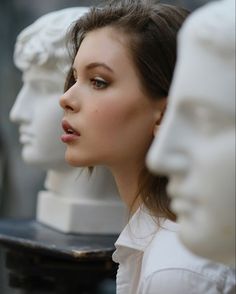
x: 73, y: 215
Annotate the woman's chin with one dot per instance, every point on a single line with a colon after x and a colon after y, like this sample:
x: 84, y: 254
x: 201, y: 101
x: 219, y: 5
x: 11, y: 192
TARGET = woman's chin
x: 76, y: 161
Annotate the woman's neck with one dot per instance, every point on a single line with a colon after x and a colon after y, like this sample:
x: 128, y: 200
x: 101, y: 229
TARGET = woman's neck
x: 127, y: 178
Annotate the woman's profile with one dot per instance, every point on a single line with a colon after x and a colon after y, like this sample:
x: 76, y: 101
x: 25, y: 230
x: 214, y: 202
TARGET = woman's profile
x: 116, y: 94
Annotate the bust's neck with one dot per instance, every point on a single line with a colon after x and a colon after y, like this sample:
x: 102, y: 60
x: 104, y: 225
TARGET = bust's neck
x: 77, y: 182
x: 65, y: 181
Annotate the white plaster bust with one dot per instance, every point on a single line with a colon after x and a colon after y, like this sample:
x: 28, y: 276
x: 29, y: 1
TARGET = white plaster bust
x: 196, y: 144
x: 73, y: 200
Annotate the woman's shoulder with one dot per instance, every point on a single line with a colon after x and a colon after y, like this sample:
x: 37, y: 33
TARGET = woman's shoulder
x: 166, y: 257
x: 184, y: 281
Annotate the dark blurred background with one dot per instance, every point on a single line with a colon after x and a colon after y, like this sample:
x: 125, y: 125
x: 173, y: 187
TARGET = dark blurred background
x: 20, y: 183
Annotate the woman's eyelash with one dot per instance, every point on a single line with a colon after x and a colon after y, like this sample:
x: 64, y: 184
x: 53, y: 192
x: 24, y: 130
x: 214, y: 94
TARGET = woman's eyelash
x: 99, y: 83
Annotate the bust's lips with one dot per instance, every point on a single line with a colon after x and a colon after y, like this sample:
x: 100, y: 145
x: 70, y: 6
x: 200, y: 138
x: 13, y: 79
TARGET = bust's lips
x: 26, y: 135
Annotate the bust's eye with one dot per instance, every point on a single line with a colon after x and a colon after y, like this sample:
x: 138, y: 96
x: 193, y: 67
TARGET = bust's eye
x: 204, y: 119
x: 99, y: 83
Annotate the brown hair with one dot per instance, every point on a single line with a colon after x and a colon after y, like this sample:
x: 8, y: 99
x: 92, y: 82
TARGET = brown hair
x: 151, y: 29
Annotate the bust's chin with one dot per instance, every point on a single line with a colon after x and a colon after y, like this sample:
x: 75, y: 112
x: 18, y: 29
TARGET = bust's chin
x: 43, y: 161
x: 218, y: 249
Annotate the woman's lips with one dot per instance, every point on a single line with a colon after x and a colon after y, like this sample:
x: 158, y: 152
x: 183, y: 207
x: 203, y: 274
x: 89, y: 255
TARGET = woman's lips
x: 70, y: 133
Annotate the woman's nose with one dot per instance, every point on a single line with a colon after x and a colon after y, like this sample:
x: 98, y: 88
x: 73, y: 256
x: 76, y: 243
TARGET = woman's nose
x: 67, y: 102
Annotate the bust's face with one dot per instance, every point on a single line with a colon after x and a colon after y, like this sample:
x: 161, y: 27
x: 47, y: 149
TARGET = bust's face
x: 196, y: 149
x: 37, y: 112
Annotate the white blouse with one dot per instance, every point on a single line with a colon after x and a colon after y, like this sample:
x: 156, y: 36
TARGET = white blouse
x: 152, y: 260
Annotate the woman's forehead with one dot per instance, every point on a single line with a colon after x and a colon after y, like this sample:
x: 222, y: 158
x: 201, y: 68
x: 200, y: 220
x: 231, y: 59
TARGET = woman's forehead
x: 110, y: 45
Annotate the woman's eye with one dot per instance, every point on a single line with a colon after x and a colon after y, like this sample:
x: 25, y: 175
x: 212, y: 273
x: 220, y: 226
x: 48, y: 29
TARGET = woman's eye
x: 99, y: 83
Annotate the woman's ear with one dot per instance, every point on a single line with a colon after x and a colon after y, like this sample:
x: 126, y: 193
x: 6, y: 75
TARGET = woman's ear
x: 159, y: 113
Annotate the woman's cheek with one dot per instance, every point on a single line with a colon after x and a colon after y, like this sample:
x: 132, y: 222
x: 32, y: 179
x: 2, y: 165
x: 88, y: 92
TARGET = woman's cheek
x: 107, y: 116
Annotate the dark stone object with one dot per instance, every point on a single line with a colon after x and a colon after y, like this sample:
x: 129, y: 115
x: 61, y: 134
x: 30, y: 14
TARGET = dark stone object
x: 42, y: 260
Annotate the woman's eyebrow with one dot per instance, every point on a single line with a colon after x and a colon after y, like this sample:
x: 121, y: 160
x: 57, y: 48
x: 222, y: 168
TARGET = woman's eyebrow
x: 98, y: 64
x: 93, y: 65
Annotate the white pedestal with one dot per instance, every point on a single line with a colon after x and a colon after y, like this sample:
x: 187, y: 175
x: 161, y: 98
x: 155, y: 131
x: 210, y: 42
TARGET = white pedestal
x: 73, y: 215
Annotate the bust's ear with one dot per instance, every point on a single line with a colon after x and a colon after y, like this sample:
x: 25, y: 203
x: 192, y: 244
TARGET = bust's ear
x: 160, y: 107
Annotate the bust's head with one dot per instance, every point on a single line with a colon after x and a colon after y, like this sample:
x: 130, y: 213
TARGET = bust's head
x: 196, y: 144
x: 42, y: 55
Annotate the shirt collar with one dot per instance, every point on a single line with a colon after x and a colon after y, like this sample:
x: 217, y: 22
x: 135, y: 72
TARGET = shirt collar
x: 138, y: 233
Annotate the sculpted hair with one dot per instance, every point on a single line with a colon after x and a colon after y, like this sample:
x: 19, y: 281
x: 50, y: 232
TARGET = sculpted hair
x: 44, y: 41
x: 151, y: 30
x: 204, y: 23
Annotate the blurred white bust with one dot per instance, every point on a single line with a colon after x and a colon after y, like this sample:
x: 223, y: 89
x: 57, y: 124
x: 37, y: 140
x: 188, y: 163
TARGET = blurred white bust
x: 73, y: 201
x: 196, y: 144
x: 41, y: 54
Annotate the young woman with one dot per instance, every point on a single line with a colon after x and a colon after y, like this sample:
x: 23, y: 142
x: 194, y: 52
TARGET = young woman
x: 116, y: 94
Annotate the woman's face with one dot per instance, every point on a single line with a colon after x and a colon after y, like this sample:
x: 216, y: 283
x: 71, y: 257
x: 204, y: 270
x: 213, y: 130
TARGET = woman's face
x: 108, y: 118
